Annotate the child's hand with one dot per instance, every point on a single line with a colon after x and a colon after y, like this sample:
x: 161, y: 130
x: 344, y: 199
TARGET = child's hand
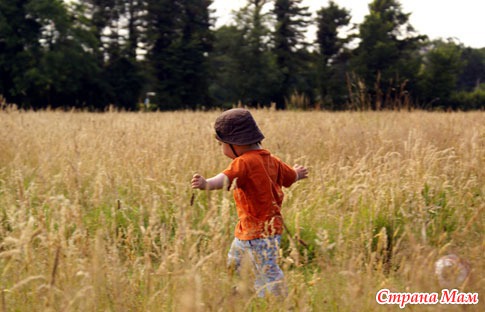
x: 199, y: 182
x: 301, y: 172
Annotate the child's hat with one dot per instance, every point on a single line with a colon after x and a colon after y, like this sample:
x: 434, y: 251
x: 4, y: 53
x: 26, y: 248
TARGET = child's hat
x: 237, y: 126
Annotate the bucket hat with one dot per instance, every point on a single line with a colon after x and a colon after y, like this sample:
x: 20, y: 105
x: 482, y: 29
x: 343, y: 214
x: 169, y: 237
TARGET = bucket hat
x: 237, y: 126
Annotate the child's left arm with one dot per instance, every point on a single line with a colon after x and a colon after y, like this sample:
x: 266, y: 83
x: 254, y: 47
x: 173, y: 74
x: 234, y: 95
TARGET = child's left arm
x: 301, y: 172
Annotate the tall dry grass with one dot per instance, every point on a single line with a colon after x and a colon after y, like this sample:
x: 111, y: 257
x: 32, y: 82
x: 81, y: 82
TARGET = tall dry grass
x: 96, y: 214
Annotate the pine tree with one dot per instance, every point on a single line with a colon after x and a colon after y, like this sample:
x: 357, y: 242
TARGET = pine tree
x: 20, y: 48
x: 44, y: 58
x: 179, y: 40
x: 257, y: 75
x: 332, y: 55
x: 439, y: 74
x: 289, y: 40
x: 387, y: 57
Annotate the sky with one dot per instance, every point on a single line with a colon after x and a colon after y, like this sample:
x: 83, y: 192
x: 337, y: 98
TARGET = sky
x: 463, y: 20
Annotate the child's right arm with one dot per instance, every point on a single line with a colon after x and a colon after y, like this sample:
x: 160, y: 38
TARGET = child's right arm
x: 215, y: 183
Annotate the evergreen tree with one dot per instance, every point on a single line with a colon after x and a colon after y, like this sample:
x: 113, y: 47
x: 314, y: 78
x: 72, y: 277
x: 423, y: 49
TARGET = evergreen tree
x: 473, y: 73
x: 258, y: 74
x: 226, y: 64
x: 179, y: 41
x: 387, y: 53
x: 289, y: 44
x: 20, y: 31
x: 43, y: 59
x: 439, y: 74
x: 65, y: 75
x: 118, y: 28
x: 134, y: 12
x: 332, y: 55
x: 103, y: 17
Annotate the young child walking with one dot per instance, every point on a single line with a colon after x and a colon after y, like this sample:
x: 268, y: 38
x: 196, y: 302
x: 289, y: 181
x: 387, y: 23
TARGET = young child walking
x: 257, y: 178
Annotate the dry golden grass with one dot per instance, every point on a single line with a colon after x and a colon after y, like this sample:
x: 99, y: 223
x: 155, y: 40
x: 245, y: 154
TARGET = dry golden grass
x: 96, y: 215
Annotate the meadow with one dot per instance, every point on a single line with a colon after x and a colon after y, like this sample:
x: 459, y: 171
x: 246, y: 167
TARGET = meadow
x: 97, y: 213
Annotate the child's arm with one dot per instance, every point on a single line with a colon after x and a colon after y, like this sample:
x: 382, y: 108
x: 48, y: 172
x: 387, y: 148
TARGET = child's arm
x: 301, y: 172
x: 215, y: 183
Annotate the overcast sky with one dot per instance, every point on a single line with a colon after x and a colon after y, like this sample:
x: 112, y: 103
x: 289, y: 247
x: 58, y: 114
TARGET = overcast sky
x: 463, y: 19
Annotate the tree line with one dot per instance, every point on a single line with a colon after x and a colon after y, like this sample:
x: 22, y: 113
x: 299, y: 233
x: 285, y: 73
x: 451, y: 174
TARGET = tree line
x: 167, y: 54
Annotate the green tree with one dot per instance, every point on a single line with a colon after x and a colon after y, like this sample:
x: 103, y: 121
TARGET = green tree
x: 20, y: 31
x: 387, y: 57
x: 258, y: 74
x: 103, y: 16
x: 473, y: 73
x: 289, y: 44
x: 118, y: 28
x: 332, y: 55
x: 134, y: 11
x: 226, y: 64
x: 65, y: 74
x: 439, y: 74
x: 179, y: 40
x: 44, y: 60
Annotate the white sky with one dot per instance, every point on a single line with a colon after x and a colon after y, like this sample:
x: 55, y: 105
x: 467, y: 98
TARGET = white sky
x: 463, y: 20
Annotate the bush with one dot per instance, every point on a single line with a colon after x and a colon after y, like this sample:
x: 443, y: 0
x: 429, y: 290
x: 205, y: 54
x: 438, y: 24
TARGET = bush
x: 463, y: 100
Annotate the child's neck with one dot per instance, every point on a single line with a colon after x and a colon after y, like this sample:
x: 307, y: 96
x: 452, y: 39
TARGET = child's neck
x: 241, y: 149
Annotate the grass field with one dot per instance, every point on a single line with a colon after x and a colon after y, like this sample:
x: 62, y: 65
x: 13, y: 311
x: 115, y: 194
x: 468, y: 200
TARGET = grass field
x: 96, y: 211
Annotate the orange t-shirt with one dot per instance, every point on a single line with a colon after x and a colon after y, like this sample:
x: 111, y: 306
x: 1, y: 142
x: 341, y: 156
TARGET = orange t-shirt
x: 258, y: 177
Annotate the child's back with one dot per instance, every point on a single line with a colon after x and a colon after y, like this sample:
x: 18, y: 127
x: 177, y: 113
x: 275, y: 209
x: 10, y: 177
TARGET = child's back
x: 258, y: 179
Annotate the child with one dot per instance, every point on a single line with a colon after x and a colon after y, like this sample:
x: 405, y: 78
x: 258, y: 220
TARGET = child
x: 257, y: 178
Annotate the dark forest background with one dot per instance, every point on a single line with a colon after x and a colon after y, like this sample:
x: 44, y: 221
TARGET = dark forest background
x: 167, y: 54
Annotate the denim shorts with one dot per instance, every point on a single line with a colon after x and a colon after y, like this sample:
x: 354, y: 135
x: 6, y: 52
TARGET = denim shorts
x: 263, y: 253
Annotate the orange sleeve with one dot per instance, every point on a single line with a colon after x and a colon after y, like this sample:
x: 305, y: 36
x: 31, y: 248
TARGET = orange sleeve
x: 287, y: 174
x: 236, y: 169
